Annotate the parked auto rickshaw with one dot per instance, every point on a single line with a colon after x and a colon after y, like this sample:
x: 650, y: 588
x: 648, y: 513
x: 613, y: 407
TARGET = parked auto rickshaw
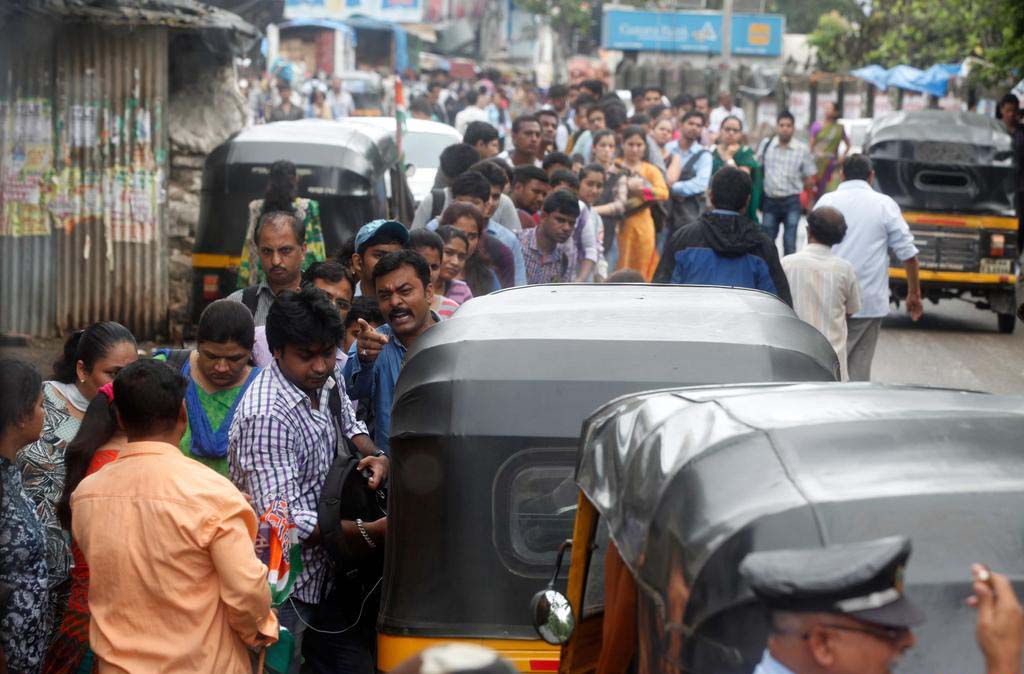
x: 367, y: 91
x: 952, y: 174
x: 687, y: 482
x: 352, y: 170
x: 487, y: 419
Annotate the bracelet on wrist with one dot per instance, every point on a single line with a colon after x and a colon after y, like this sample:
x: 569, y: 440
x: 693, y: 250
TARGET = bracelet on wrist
x: 366, y: 536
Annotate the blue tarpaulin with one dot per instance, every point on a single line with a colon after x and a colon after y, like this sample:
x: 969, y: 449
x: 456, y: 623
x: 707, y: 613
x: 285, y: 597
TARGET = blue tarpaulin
x: 933, y: 81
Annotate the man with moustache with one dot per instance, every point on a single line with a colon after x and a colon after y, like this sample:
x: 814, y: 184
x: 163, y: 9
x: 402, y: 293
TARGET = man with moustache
x: 281, y: 241
x: 404, y: 294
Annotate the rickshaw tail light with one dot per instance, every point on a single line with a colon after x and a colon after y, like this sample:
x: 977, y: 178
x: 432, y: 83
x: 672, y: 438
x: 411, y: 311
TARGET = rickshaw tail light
x: 997, y: 245
x: 211, y: 287
x: 544, y: 665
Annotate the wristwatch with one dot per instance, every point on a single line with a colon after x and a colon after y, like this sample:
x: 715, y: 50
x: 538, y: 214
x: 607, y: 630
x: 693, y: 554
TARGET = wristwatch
x: 380, y: 452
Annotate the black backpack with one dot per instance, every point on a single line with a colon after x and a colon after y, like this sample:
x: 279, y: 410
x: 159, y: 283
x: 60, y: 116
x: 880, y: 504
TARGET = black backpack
x: 345, y: 495
x: 251, y: 299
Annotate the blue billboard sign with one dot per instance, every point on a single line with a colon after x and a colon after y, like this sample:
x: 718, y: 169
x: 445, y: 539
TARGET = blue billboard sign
x: 692, y: 32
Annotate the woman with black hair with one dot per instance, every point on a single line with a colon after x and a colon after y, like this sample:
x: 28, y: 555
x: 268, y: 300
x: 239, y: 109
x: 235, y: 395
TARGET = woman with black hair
x: 490, y: 265
x: 91, y: 358
x: 282, y: 194
x: 218, y: 372
x: 24, y: 626
x: 97, y: 443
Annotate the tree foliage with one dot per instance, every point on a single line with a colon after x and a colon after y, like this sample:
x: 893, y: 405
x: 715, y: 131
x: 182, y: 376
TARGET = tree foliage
x: 922, y: 33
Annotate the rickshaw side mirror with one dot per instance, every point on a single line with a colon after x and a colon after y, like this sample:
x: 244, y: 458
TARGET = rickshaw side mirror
x: 552, y: 617
x: 552, y: 612
x: 410, y: 170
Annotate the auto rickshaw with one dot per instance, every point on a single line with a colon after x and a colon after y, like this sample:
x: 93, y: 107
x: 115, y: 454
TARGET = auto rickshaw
x: 367, y: 91
x: 952, y: 175
x: 686, y: 482
x: 487, y: 417
x: 352, y: 170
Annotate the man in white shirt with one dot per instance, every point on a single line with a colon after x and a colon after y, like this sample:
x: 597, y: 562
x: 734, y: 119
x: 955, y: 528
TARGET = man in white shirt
x: 874, y: 226
x: 823, y: 285
x: 475, y: 111
x: 725, y: 109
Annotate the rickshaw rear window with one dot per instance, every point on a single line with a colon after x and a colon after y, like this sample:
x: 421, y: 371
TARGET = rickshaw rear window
x: 534, y: 510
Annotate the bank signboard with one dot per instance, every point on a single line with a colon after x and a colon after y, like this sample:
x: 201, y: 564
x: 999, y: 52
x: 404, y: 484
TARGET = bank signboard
x: 691, y: 32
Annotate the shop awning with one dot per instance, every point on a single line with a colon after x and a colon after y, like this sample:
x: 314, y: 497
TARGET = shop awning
x: 424, y: 31
x: 933, y: 81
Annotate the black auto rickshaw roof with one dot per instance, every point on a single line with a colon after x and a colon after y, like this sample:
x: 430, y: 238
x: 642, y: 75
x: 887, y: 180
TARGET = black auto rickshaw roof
x: 691, y: 480
x: 354, y: 148
x: 492, y: 401
x: 939, y: 126
x: 529, y: 345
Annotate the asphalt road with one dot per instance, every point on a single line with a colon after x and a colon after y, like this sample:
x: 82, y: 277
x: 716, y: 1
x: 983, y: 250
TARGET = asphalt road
x: 953, y: 345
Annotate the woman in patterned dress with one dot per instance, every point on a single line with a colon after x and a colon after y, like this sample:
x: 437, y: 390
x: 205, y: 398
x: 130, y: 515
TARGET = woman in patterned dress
x: 282, y: 195
x: 97, y: 443
x: 91, y: 358
x: 23, y: 610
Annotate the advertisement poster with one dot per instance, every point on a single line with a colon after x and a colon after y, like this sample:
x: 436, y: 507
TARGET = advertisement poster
x: 28, y: 157
x: 131, y: 205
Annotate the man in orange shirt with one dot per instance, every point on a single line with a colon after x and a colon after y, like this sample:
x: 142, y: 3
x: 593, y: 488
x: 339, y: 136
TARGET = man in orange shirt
x: 175, y: 583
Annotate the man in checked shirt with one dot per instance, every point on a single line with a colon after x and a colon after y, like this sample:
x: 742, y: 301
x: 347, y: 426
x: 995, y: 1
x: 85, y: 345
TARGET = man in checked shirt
x: 281, y: 445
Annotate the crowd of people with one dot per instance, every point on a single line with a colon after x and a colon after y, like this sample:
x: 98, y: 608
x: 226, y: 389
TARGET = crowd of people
x: 132, y: 489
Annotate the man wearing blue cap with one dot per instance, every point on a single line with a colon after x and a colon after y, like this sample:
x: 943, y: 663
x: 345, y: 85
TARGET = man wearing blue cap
x: 373, y: 241
x: 841, y: 609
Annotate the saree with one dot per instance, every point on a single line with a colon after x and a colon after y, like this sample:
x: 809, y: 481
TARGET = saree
x: 825, y: 147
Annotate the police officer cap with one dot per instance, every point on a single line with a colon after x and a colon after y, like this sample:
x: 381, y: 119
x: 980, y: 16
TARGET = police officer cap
x: 861, y: 580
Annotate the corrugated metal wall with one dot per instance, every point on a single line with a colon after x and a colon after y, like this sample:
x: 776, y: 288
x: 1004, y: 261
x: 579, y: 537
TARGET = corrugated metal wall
x: 27, y: 250
x: 106, y: 256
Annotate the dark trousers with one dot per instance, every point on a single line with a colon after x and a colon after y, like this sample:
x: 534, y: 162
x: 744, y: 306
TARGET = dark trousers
x: 339, y: 639
x: 785, y: 210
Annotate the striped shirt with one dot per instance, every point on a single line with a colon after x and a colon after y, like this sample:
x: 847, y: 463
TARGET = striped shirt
x: 264, y: 299
x: 279, y: 447
x: 825, y: 291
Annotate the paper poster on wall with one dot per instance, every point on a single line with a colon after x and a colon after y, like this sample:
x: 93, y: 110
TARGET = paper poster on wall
x: 83, y: 125
x: 27, y: 160
x: 131, y: 198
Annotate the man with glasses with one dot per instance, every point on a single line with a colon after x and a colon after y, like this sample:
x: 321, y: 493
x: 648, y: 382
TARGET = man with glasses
x: 842, y: 609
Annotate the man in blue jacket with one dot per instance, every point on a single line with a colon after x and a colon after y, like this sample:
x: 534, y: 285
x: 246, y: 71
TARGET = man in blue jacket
x: 724, y: 247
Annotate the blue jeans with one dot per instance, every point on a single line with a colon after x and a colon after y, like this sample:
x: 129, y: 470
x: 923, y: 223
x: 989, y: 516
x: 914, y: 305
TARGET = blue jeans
x: 348, y: 640
x: 786, y: 210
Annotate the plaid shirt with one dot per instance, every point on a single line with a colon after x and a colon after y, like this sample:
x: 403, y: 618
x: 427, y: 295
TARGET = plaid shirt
x: 785, y: 168
x: 559, y: 267
x: 279, y: 447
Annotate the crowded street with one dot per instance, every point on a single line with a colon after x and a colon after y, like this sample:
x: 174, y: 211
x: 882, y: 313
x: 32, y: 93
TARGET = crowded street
x: 511, y: 336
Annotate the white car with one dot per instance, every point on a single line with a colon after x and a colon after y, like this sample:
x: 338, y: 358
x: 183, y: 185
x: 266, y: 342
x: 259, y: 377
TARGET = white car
x: 422, y: 144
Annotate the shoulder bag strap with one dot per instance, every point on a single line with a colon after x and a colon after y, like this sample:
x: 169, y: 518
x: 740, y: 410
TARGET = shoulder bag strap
x: 251, y: 299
